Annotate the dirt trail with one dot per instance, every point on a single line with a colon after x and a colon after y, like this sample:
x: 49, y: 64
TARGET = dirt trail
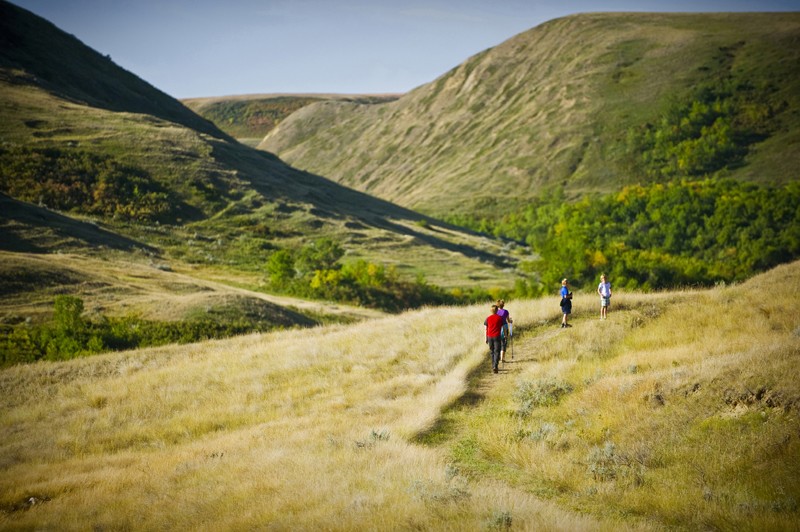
x: 523, y: 347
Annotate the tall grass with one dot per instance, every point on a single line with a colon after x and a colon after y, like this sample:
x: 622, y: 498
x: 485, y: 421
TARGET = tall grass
x: 300, y: 429
x: 396, y: 423
x: 680, y: 409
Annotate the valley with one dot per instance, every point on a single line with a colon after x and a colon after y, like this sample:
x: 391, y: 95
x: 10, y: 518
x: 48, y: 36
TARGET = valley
x: 266, y: 311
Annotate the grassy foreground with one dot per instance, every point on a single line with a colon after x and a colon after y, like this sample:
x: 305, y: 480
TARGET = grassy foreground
x: 679, y: 411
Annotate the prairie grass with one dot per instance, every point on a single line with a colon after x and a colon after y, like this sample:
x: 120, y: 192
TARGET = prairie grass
x: 679, y: 411
x: 298, y: 429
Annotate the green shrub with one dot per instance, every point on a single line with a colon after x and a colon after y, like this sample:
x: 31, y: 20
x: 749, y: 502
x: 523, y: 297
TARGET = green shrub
x: 71, y: 179
x: 315, y: 271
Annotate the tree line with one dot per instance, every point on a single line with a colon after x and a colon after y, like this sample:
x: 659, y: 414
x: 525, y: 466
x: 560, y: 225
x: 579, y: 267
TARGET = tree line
x: 690, y: 225
x: 663, y: 235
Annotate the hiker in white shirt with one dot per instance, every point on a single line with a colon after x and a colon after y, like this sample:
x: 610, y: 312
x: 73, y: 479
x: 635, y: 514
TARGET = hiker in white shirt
x: 604, y: 289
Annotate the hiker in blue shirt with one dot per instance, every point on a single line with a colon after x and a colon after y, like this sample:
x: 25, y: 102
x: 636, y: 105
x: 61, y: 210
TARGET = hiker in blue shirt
x: 566, y: 303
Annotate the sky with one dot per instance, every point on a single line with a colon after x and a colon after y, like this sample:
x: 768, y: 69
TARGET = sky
x: 201, y: 48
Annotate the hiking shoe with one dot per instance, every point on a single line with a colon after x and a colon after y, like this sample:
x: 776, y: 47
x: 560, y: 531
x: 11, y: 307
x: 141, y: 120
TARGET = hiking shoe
x: 495, y: 370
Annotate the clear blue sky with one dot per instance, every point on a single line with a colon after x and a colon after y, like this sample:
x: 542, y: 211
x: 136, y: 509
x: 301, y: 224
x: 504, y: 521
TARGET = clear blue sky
x: 190, y: 48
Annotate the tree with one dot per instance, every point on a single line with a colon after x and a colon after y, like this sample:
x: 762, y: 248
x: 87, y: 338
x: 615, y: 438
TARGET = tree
x: 322, y: 254
x: 67, y: 315
x: 280, y: 267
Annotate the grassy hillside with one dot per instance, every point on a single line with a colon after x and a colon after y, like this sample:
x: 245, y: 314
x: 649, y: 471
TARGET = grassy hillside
x: 680, y: 411
x: 34, y: 51
x: 147, y: 287
x: 96, y: 162
x: 249, y: 118
x: 584, y: 104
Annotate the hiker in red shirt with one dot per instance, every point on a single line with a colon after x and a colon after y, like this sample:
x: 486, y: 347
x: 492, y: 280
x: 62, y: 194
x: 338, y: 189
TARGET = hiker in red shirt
x: 495, y: 327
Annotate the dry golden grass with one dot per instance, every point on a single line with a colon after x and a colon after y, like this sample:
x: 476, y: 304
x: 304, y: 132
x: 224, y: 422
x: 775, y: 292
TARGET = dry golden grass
x: 299, y: 429
x: 681, y: 409
x: 395, y: 423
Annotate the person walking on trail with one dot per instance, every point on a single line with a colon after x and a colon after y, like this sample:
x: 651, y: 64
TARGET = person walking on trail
x: 566, y: 303
x: 503, y: 313
x: 495, y: 326
x: 604, y: 289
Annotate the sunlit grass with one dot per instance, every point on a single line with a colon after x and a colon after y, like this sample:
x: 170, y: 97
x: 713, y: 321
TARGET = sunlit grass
x: 662, y: 415
x: 683, y: 409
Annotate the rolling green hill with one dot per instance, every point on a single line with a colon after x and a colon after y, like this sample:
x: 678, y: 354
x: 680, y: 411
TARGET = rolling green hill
x: 659, y: 148
x: 98, y: 163
x: 584, y: 104
x: 35, y: 52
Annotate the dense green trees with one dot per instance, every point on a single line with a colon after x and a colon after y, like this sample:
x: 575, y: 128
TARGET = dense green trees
x: 658, y: 236
x: 710, y: 131
x: 688, y: 225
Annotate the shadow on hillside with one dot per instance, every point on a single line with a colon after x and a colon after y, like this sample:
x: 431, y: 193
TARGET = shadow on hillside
x: 272, y: 178
x: 32, y: 229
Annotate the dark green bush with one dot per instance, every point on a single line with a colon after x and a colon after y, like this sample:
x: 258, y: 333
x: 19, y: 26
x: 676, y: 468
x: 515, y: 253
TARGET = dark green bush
x: 69, y: 335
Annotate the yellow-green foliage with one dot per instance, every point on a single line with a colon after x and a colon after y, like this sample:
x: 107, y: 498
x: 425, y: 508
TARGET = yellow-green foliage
x: 680, y: 410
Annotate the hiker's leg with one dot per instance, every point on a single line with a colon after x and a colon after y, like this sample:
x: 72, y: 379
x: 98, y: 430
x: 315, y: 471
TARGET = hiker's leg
x: 495, y: 344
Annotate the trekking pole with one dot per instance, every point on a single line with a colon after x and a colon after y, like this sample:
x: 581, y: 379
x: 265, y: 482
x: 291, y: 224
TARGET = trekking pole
x: 511, y: 339
x: 502, y: 352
